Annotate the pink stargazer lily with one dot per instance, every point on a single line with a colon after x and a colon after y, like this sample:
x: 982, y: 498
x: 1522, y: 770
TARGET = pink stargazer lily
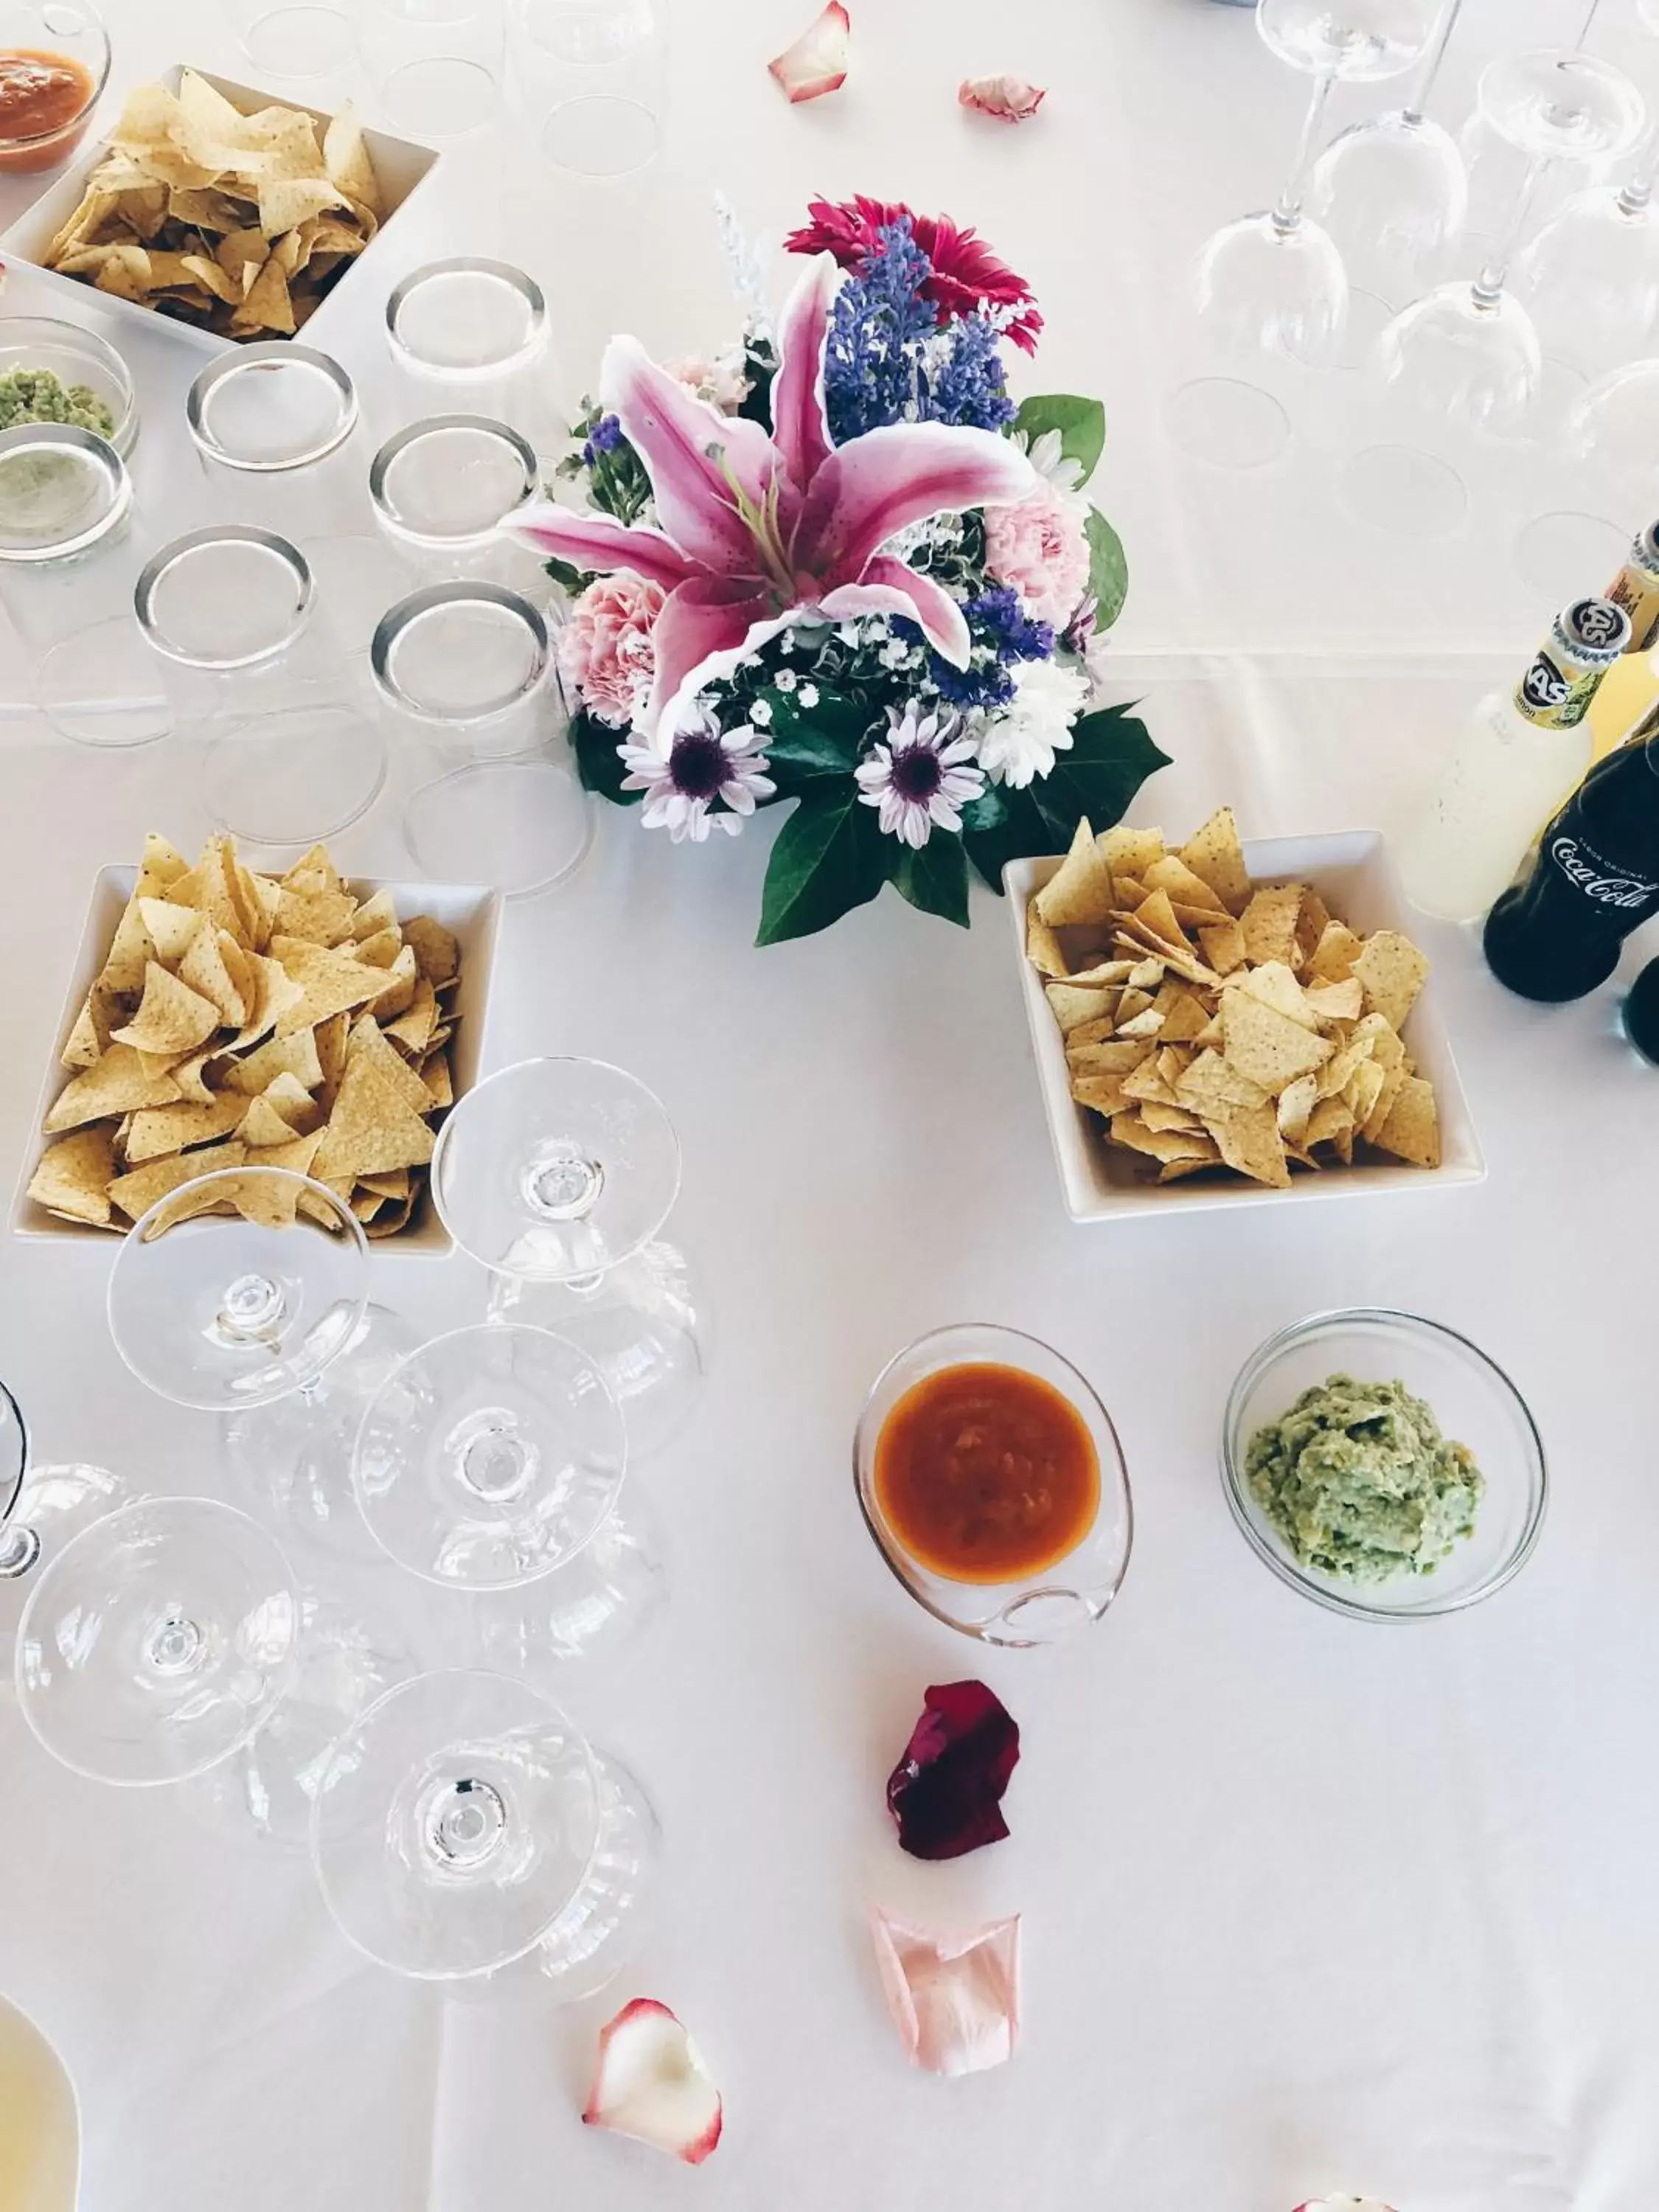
x: 755, y: 532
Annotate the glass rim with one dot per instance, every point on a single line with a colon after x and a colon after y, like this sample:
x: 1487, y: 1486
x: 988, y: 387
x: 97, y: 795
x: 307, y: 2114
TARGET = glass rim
x: 15, y: 143
x: 220, y: 1509
x: 505, y: 273
x: 185, y: 548
x: 245, y: 360
x: 69, y: 438
x: 417, y: 607
x: 138, y: 1234
x: 491, y: 1329
x: 9, y: 1503
x: 332, y: 1763
x: 1333, y: 1599
x: 453, y: 1119
x: 433, y: 426
x: 864, y: 1453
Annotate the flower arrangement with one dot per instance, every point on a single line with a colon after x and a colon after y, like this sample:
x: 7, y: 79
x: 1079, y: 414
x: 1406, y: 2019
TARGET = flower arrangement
x: 840, y: 567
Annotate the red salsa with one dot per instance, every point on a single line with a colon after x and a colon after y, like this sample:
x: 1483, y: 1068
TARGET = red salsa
x: 41, y: 96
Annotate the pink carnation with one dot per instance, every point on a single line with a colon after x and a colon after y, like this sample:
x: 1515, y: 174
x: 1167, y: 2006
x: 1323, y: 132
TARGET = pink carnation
x: 1039, y: 547
x: 606, y: 649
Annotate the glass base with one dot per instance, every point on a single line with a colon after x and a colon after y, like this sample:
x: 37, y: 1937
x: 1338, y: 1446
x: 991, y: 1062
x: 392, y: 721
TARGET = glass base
x: 645, y: 1326
x: 294, y: 39
x: 103, y: 687
x: 294, y: 777
x: 520, y: 826
x: 293, y: 1457
x: 55, y: 1503
x: 601, y: 135
x: 1227, y: 424
x: 1563, y: 555
x: 1406, y: 492
x: 600, y: 1931
x: 442, y: 97
x: 598, y: 1606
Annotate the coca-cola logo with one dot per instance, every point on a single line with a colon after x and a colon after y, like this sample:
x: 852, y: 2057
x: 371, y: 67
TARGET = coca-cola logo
x: 1596, y: 880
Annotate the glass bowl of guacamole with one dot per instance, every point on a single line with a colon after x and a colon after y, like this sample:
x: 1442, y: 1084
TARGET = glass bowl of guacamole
x: 55, y: 372
x: 1383, y: 1465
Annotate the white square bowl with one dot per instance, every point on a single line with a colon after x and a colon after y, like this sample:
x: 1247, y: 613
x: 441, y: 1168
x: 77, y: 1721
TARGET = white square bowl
x: 1351, y: 872
x: 474, y: 916
x: 400, y: 165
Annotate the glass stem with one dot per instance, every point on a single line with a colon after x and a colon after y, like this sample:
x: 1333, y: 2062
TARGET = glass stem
x: 1636, y: 192
x: 1595, y: 6
x: 1418, y: 104
x: 1489, y: 284
x: 1287, y: 215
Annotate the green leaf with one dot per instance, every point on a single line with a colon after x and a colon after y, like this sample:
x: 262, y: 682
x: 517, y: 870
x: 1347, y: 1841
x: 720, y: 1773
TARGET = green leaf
x: 567, y: 578
x: 935, y: 879
x: 829, y: 857
x: 1081, y: 424
x: 594, y: 744
x: 804, y: 747
x: 1108, y: 569
x: 1110, y: 757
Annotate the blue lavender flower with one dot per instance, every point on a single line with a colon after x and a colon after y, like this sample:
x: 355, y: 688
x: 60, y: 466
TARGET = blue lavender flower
x: 887, y: 360
x: 605, y: 438
x: 1002, y: 634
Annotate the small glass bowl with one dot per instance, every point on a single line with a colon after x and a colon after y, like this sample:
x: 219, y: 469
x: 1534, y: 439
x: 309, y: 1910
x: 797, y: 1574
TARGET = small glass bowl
x: 74, y: 356
x: 1073, y: 1593
x: 72, y: 30
x: 1475, y: 1402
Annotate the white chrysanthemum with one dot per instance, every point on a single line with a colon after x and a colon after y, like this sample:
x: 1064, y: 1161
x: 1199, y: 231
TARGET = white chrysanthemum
x: 703, y: 762
x: 921, y: 775
x: 1044, y: 454
x: 1020, y: 746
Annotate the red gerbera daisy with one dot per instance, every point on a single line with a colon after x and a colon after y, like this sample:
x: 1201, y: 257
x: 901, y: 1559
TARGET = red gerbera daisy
x: 966, y: 275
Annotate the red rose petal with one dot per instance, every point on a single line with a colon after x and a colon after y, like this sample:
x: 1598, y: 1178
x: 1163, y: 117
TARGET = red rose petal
x: 1010, y: 99
x: 946, y: 1793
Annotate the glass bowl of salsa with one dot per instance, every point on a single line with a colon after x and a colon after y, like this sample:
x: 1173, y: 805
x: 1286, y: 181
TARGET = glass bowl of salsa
x: 992, y: 1480
x: 54, y: 63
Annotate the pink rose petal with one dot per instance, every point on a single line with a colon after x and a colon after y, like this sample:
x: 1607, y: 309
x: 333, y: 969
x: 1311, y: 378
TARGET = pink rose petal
x: 817, y: 62
x: 954, y: 1998
x: 651, y: 2084
x: 1010, y: 99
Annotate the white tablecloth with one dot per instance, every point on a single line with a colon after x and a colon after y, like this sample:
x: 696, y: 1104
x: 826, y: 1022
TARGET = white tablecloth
x: 1309, y: 1906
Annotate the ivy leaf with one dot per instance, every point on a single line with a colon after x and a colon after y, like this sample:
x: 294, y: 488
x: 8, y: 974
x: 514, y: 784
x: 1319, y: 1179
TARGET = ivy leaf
x: 567, y: 578
x: 1108, y: 569
x: 1081, y: 424
x: 935, y: 879
x: 829, y: 857
x: 594, y: 744
x: 1111, y: 756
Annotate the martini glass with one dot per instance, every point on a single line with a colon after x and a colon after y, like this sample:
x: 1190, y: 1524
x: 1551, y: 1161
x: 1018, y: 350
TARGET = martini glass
x: 41, y: 1508
x: 1273, y: 284
x: 557, y: 1175
x: 245, y: 1293
x: 465, y: 1832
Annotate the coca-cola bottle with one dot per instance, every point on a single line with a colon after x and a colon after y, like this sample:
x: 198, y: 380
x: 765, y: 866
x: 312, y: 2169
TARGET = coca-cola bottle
x: 1556, y: 934
x: 1642, y: 1012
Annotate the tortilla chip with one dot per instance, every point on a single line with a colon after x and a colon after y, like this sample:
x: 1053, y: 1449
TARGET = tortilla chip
x: 1156, y: 917
x: 1214, y: 854
x: 346, y: 159
x: 322, y: 917
x: 1311, y: 923
x: 440, y: 1083
x: 372, y: 1128
x: 1297, y: 1101
x: 88, y: 1041
x: 397, y: 992
x: 1163, y: 1145
x: 1183, y: 887
x: 1336, y: 1002
x: 135, y: 1194
x: 1102, y: 1091
x: 1390, y: 969
x: 1080, y: 890
x: 1212, y: 1089
x: 268, y: 306
x: 1185, y: 1014
x: 1042, y: 947
x: 158, y: 1131
x: 262, y: 1124
x: 171, y: 1019
x: 1276, y: 987
x: 1165, y: 1118
x: 1269, y: 922
x: 1335, y: 953
x: 1148, y: 1082
x: 368, y: 1041
x: 1071, y: 1007
x: 1130, y: 852
x: 1250, y: 1142
x: 132, y: 950
x: 412, y: 1030
x: 173, y: 929
x: 330, y: 983
x: 1104, y: 972
x: 74, y: 1175
x: 1266, y: 1045
x: 294, y: 1056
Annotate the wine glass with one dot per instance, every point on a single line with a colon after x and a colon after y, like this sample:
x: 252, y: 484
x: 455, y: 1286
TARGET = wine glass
x: 41, y: 1508
x: 557, y: 1175
x: 589, y: 78
x: 1466, y: 358
x: 1613, y: 431
x: 1273, y: 283
x: 1392, y: 190
x: 471, y: 659
x: 463, y: 1827
x: 264, y: 1317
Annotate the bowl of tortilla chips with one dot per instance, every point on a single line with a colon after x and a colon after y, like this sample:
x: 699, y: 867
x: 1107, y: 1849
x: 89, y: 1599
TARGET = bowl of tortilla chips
x: 224, y: 212
x: 1219, y: 1022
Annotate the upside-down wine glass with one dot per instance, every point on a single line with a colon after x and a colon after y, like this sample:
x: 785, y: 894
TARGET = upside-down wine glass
x: 41, y: 1508
x: 259, y: 1311
x: 1465, y: 359
x: 1392, y: 189
x: 1273, y: 284
x: 464, y: 1832
x: 558, y: 1175
x: 490, y: 1464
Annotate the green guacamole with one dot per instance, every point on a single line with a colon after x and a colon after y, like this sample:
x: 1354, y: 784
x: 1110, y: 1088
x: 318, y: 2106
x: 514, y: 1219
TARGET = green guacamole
x: 1358, y: 1481
x: 35, y: 395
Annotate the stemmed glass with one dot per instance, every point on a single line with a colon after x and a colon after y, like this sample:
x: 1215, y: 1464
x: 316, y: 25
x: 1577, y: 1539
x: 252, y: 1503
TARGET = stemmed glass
x: 1589, y: 277
x: 490, y: 1464
x: 261, y: 1313
x: 590, y: 77
x: 557, y: 1175
x: 42, y: 1509
x: 465, y: 1832
x: 1613, y: 431
x: 1273, y: 283
x: 1466, y: 358
x: 1393, y: 188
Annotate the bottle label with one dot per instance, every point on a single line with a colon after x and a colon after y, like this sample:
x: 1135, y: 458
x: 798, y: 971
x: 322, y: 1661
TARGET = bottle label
x: 1552, y: 699
x: 1600, y: 880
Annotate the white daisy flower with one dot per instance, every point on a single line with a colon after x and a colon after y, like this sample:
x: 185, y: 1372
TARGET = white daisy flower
x: 1020, y: 744
x: 809, y: 696
x: 702, y: 763
x: 921, y: 775
x: 1045, y: 456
